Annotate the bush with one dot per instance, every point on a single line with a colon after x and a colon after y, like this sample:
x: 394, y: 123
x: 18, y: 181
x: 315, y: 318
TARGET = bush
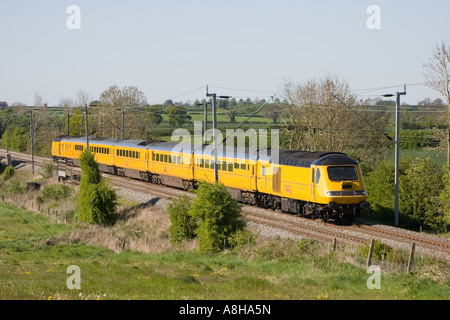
x: 218, y: 216
x: 183, y: 225
x: 421, y: 185
x: 54, y: 192
x: 96, y: 201
x: 8, y: 173
x: 47, y: 170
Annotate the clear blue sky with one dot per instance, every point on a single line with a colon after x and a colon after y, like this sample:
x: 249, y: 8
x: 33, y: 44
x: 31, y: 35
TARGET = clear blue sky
x: 167, y: 48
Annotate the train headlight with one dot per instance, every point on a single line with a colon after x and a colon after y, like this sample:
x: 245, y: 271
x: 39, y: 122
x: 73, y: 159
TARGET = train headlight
x: 333, y: 193
x: 360, y: 192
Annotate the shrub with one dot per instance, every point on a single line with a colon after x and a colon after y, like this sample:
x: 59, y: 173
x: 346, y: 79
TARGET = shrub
x: 218, y: 216
x: 97, y: 203
x: 47, y: 170
x: 54, y: 192
x: 96, y: 200
x: 8, y: 173
x: 421, y: 185
x: 183, y: 225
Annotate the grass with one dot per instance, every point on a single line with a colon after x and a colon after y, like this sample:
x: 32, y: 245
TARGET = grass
x: 35, y: 254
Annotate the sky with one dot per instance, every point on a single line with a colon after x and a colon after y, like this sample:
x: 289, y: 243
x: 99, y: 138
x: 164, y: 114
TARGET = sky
x: 172, y: 49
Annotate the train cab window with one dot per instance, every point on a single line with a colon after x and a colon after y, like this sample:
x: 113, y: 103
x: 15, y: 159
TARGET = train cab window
x: 317, y: 176
x: 342, y: 173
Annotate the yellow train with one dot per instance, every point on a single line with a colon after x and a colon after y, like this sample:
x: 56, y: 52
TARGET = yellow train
x: 318, y: 185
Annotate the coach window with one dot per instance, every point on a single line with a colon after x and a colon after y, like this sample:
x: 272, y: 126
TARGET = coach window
x: 207, y: 164
x: 224, y: 166
x: 230, y: 167
x: 243, y: 166
x: 165, y: 158
x: 263, y: 171
x: 236, y: 165
x: 153, y: 156
x: 157, y: 157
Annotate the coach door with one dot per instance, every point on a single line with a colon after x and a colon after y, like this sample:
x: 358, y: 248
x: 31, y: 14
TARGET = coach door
x: 276, y: 179
x: 313, y: 186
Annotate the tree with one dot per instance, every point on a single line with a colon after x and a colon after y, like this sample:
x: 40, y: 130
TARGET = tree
x: 218, y: 216
x: 107, y: 118
x: 273, y: 111
x: 320, y: 122
x: 183, y: 225
x: 177, y: 115
x: 437, y: 76
x: 96, y: 200
x: 154, y: 114
x: 231, y: 114
x: 420, y: 188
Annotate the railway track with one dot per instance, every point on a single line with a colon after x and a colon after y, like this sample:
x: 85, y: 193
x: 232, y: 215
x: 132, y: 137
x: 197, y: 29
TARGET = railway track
x: 357, y: 234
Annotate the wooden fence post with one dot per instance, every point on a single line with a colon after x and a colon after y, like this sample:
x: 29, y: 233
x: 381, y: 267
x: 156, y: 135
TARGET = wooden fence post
x: 411, y: 257
x: 369, y: 258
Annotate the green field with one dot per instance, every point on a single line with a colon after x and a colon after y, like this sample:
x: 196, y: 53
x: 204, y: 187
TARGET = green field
x: 35, y: 254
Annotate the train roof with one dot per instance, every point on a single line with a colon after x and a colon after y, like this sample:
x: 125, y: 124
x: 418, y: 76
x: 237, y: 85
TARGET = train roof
x: 307, y: 158
x: 283, y: 157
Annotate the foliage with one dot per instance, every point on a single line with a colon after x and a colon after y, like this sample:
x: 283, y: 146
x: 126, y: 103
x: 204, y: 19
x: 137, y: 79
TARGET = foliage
x: 177, y: 115
x: 54, y: 192
x: 183, y: 225
x: 47, y: 170
x: 321, y: 119
x: 96, y: 201
x: 89, y: 168
x: 218, y: 216
x: 421, y: 183
x: 18, y: 138
x: 154, y: 114
x: 8, y: 173
x: 114, y: 101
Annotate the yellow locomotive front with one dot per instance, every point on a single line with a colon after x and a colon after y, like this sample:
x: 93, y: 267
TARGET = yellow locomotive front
x: 339, y: 189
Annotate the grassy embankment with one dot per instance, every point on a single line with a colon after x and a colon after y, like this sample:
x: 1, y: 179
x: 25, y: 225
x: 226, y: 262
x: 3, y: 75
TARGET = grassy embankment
x: 36, y: 252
